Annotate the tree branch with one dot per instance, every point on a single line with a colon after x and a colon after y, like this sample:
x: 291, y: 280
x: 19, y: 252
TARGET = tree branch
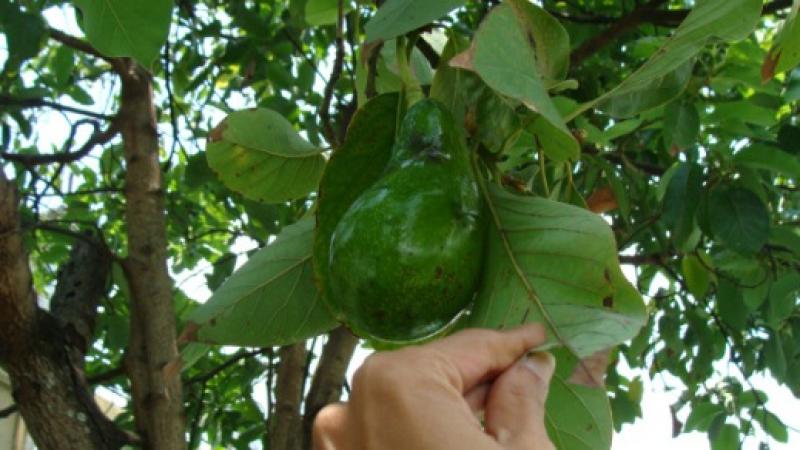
x: 228, y: 363
x: 646, y: 13
x: 66, y: 156
x: 324, y: 109
x: 118, y: 64
x: 326, y: 386
x: 618, y: 28
x: 152, y: 360
x: 46, y: 377
x: 6, y: 100
x: 285, y: 422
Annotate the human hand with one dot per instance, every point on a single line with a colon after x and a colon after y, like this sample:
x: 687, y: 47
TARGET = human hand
x: 426, y: 397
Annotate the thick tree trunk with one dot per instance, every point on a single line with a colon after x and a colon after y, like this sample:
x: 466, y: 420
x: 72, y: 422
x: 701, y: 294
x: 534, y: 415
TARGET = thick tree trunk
x: 152, y: 361
x: 43, y: 357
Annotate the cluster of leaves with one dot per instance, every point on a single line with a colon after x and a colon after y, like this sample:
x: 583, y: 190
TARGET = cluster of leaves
x: 683, y: 132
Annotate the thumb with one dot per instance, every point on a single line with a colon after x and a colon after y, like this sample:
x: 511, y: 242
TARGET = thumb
x: 329, y: 426
x: 515, y: 406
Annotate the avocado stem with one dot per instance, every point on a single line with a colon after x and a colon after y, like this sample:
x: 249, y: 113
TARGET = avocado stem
x: 411, y: 86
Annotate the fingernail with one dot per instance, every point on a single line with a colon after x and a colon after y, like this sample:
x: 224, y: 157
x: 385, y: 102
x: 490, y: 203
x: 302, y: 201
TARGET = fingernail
x: 542, y: 364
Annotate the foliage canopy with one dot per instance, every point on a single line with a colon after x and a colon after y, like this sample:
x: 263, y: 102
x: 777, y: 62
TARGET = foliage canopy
x: 662, y: 135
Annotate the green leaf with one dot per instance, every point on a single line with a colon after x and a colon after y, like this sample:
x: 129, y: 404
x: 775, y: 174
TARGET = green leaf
x: 470, y: 100
x: 556, y: 264
x: 767, y: 157
x: 738, y: 219
x: 729, y: 20
x: 324, y: 12
x: 577, y: 417
x: 772, y: 425
x: 697, y: 277
x: 504, y: 58
x: 397, y: 17
x: 353, y: 168
x: 702, y: 415
x: 620, y: 129
x: 257, y: 152
x: 731, y: 306
x: 271, y: 300
x: 774, y: 355
x: 127, y: 28
x: 681, y: 125
x: 63, y: 65
x: 726, y: 439
x: 550, y: 39
x: 24, y: 33
x: 681, y: 200
x: 783, y: 298
x: 654, y: 93
x: 785, y: 52
x: 744, y: 111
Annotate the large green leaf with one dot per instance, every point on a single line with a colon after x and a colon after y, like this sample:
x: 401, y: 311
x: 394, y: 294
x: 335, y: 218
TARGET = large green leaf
x: 555, y: 263
x: 504, y: 57
x: 127, y: 28
x: 398, y: 17
x: 258, y: 153
x: 270, y: 300
x: 738, y: 219
x: 353, y: 167
x: 726, y: 20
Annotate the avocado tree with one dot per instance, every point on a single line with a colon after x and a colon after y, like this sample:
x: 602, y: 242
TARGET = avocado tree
x: 175, y: 176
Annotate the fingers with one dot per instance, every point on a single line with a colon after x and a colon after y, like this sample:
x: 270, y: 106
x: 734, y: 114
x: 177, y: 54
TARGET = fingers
x: 476, y: 398
x: 329, y: 428
x: 515, y: 405
x: 480, y: 355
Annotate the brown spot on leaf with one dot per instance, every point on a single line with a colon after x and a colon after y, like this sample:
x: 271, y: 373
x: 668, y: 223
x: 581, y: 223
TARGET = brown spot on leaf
x: 769, y: 65
x: 607, y: 275
x: 438, y: 273
x: 608, y: 302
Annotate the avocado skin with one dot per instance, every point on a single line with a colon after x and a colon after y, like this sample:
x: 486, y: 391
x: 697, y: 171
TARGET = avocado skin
x: 406, y: 256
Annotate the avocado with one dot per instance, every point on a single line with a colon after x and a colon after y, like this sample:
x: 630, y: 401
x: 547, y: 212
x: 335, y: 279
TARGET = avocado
x: 405, y: 257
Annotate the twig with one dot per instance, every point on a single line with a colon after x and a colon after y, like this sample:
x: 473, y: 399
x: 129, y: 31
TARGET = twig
x: 173, y: 116
x: 371, y: 89
x: 618, y: 28
x: 228, y: 363
x: 5, y: 412
x: 327, y: 128
x: 428, y: 51
x: 6, y: 100
x: 118, y: 64
x: 65, y: 157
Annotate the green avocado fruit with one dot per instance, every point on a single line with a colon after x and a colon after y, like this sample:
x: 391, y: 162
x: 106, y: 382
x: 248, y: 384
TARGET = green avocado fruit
x: 406, y: 256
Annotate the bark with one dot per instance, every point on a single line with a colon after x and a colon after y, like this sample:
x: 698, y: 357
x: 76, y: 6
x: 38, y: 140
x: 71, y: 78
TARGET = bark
x: 46, y: 367
x: 152, y: 361
x: 326, y: 387
x: 285, y: 422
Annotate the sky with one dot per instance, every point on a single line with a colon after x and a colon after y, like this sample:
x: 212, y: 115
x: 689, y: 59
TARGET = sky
x: 653, y: 430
